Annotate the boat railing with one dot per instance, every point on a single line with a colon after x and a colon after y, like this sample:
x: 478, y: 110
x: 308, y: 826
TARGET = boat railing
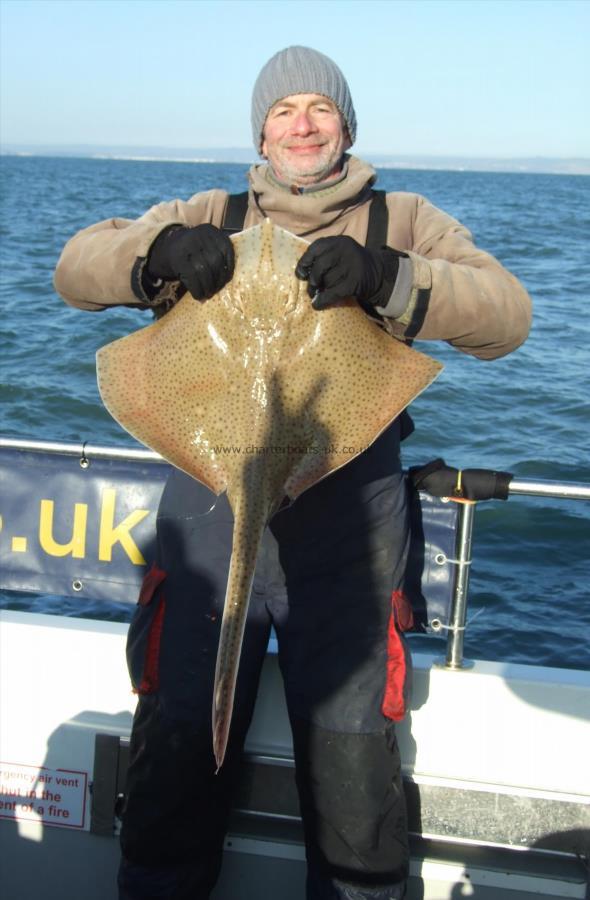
x: 523, y: 487
x: 86, y: 453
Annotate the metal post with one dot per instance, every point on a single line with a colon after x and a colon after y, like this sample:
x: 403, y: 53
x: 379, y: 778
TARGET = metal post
x: 454, y: 658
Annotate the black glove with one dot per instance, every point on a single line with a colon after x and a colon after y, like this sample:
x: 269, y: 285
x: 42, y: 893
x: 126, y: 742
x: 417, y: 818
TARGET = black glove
x: 202, y: 258
x: 338, y: 267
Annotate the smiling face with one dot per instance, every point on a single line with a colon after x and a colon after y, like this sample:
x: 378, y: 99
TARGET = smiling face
x: 304, y: 139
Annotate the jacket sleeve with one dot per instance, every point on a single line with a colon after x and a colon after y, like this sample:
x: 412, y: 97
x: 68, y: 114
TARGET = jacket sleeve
x: 456, y: 292
x: 101, y: 265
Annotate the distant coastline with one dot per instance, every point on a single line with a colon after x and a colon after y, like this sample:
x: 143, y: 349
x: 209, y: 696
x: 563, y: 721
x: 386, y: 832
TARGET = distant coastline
x: 246, y: 156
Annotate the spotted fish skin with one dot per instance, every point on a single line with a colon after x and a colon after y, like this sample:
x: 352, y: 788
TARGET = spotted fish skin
x: 255, y: 393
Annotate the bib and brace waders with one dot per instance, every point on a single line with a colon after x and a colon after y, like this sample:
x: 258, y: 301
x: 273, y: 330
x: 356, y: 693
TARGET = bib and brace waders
x: 327, y: 568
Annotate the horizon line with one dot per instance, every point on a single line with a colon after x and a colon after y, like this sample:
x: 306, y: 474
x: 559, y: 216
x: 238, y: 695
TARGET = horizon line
x: 551, y: 165
x: 251, y: 151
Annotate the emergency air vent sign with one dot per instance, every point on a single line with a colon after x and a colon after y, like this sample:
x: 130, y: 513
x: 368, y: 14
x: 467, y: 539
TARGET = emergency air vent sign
x: 47, y: 796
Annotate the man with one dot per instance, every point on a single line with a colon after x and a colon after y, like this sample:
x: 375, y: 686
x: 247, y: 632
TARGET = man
x: 330, y: 563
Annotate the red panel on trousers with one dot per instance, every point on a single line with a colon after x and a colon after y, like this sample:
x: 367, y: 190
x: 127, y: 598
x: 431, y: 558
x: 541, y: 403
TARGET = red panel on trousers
x: 401, y: 619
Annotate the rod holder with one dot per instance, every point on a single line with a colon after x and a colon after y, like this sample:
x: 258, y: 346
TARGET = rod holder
x: 456, y: 633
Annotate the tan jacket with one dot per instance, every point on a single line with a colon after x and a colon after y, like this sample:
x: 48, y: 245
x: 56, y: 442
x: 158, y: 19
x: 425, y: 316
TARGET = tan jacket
x: 455, y: 292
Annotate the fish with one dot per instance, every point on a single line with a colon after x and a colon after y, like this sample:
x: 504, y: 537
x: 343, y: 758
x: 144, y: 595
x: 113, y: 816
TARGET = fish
x: 255, y: 393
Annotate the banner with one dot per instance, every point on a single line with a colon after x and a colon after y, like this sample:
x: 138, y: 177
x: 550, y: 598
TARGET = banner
x: 77, y: 527
x: 85, y: 527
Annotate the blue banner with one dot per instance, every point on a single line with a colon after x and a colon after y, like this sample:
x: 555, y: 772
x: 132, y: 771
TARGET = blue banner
x: 83, y: 527
x: 77, y: 527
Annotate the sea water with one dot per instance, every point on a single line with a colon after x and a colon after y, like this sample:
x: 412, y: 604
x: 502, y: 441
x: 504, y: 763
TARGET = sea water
x: 526, y: 413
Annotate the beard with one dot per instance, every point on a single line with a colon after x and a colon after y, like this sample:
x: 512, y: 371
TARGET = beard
x: 311, y: 169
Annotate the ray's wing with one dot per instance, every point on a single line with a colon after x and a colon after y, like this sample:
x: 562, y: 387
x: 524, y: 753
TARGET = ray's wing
x: 164, y: 382
x: 366, y: 379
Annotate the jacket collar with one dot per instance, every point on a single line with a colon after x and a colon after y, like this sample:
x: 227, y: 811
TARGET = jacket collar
x: 311, y: 210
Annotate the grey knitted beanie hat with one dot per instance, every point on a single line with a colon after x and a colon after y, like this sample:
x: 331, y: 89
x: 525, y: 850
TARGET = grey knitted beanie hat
x: 299, y: 70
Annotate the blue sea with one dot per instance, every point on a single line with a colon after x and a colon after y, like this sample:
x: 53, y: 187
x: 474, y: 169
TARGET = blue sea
x: 527, y: 413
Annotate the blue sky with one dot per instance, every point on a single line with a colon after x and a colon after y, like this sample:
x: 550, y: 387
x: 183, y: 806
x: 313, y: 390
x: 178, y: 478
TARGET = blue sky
x: 461, y: 77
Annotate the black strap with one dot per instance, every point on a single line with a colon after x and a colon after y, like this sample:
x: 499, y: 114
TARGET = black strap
x: 235, y: 213
x: 378, y: 222
x: 377, y: 231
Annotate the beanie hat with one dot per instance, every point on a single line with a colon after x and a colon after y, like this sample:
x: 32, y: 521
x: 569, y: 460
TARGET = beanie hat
x: 299, y: 70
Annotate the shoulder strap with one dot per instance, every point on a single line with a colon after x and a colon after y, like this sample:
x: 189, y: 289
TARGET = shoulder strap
x: 378, y: 221
x: 377, y: 238
x: 235, y: 213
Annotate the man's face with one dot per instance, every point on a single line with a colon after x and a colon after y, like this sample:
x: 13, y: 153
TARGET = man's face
x: 304, y: 139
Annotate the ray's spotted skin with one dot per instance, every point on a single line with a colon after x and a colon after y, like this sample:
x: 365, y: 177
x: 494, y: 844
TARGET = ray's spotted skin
x: 257, y: 394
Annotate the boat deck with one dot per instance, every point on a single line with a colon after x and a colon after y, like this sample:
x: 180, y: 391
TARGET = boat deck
x: 494, y: 811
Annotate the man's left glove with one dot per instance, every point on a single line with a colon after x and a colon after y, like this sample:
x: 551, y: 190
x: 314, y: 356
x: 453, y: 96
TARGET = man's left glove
x: 339, y: 267
x: 202, y: 258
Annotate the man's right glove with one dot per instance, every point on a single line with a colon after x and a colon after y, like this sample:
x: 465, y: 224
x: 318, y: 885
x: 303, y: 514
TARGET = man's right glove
x: 202, y: 258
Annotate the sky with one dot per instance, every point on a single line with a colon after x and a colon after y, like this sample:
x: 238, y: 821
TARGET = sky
x: 502, y: 78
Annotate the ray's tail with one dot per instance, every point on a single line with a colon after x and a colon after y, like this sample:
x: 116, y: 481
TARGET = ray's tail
x: 246, y: 541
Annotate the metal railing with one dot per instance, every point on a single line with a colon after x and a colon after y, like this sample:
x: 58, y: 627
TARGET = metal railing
x: 84, y: 450
x: 555, y: 490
